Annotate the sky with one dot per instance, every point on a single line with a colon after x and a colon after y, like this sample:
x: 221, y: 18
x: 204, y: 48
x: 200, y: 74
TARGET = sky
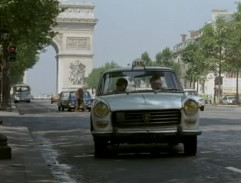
x: 128, y: 28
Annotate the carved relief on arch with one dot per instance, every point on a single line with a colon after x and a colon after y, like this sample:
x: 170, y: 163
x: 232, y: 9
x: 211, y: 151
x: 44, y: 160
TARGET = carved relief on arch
x: 77, y: 73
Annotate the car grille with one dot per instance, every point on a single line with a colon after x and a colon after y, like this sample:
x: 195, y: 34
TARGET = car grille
x: 125, y: 119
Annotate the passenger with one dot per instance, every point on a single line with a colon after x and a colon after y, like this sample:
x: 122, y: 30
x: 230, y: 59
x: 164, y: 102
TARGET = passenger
x: 121, y: 85
x: 156, y: 82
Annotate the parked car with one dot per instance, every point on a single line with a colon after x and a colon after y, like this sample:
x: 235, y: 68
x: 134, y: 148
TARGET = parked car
x: 54, y: 98
x: 141, y: 114
x: 228, y: 100
x: 193, y: 94
x: 67, y: 100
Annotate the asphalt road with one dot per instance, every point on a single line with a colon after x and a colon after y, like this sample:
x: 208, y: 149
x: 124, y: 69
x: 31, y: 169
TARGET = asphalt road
x: 66, y: 143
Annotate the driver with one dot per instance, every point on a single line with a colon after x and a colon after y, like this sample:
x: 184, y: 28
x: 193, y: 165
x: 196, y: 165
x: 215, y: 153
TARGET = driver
x: 156, y: 82
x: 121, y: 85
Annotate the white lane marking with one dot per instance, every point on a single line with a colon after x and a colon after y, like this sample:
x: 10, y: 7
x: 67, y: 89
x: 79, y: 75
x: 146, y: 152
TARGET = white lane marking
x: 234, y: 169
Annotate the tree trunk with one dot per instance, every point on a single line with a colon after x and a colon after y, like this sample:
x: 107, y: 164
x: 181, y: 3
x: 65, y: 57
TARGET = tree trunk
x: 237, y: 95
x: 6, y: 81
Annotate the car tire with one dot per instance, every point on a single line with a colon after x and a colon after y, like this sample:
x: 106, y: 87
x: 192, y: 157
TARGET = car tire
x: 100, y: 148
x: 190, y: 145
x: 59, y: 108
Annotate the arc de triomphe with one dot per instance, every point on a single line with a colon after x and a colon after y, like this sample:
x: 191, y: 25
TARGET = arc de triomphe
x: 74, y: 44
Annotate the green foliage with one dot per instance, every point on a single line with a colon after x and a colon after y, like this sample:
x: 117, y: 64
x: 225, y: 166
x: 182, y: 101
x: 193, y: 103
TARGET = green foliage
x: 214, y: 42
x: 194, y: 57
x: 30, y: 26
x: 164, y: 58
x: 146, y: 58
x: 30, y: 21
x: 178, y: 69
x: 233, y: 47
x: 26, y: 59
x: 95, y: 75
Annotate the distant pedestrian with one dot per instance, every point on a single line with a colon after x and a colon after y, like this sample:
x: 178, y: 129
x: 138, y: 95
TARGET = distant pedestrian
x: 79, y: 95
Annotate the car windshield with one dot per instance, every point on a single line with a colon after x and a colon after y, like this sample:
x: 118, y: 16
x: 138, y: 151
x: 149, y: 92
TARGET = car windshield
x: 72, y: 94
x: 21, y: 89
x: 65, y: 95
x: 138, y: 81
x: 87, y: 94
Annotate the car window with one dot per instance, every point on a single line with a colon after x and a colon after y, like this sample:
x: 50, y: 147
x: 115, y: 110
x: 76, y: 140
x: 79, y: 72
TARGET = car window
x: 87, y: 94
x: 138, y: 81
x: 72, y: 94
x: 65, y: 95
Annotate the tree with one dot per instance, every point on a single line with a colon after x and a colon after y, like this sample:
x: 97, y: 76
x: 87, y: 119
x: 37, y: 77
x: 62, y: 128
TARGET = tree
x: 30, y: 21
x: 214, y: 43
x: 95, y: 75
x: 146, y: 58
x: 164, y: 58
x: 233, y: 48
x: 30, y: 26
x: 193, y: 56
x: 25, y: 59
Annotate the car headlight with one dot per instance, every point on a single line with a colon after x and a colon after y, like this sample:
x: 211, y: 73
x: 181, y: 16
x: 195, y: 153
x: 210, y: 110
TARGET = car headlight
x: 101, y: 109
x: 190, y: 107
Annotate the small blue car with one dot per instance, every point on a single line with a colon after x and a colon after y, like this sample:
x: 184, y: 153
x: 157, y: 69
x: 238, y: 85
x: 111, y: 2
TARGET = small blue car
x: 68, y: 100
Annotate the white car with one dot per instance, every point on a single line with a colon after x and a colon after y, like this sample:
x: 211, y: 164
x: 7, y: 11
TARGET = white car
x: 228, y: 100
x: 141, y: 114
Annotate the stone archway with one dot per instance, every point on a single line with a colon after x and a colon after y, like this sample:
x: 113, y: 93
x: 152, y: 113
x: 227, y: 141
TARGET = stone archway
x: 74, y: 44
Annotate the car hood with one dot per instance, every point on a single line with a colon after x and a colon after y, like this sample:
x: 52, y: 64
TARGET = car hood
x: 148, y: 101
x: 197, y: 98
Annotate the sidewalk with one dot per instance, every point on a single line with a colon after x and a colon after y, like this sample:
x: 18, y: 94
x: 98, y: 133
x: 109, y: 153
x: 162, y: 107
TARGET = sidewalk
x: 27, y: 164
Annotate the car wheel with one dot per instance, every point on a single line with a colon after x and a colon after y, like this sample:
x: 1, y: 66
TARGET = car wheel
x: 59, y: 108
x: 190, y: 145
x: 69, y: 109
x: 62, y: 108
x: 100, y: 148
